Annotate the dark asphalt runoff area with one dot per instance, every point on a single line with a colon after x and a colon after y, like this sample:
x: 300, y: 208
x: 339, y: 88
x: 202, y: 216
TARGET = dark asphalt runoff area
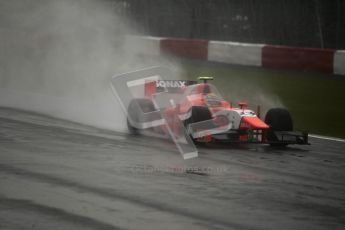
x: 56, y: 174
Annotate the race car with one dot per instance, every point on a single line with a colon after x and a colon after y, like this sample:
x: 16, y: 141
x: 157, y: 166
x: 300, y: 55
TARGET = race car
x: 197, y: 109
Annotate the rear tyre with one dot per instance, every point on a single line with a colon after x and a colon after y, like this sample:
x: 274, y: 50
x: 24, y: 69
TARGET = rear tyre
x: 135, y: 107
x: 131, y: 129
x: 278, y: 119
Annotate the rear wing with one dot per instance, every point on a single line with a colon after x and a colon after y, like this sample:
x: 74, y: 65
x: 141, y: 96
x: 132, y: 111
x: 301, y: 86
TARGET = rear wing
x: 171, y: 86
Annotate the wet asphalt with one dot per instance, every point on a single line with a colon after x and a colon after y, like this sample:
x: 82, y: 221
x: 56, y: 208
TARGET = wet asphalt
x: 56, y: 174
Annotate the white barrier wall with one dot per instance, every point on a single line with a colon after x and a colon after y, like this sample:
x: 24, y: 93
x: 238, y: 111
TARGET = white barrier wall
x: 235, y: 53
x: 339, y: 62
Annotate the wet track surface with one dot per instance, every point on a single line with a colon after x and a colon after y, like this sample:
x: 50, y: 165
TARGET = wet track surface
x: 56, y: 174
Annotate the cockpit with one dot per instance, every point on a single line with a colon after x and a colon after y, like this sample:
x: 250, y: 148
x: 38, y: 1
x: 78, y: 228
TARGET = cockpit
x: 203, y: 89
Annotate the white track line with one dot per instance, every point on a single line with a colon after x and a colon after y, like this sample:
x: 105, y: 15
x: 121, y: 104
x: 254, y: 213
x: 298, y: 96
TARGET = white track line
x: 327, y: 138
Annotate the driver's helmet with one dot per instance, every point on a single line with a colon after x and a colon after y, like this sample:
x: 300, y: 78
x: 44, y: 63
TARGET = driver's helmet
x: 206, y: 89
x: 203, y: 88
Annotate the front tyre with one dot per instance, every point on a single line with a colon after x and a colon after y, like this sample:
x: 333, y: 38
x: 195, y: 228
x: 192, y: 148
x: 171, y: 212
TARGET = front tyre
x: 198, y: 114
x: 278, y: 119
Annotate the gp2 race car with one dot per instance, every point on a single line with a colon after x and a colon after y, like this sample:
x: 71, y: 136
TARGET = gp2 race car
x: 206, y: 117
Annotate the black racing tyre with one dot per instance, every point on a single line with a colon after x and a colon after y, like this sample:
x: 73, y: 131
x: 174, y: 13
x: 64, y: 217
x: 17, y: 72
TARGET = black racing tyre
x: 278, y: 119
x: 131, y: 129
x: 198, y: 113
x: 135, y: 107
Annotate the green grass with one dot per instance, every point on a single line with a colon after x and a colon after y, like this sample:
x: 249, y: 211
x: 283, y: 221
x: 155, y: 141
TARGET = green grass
x: 316, y: 101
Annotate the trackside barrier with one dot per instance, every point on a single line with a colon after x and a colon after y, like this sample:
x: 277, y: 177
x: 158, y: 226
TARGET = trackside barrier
x: 235, y: 53
x: 305, y: 59
x: 143, y: 45
x: 339, y: 62
x: 186, y: 48
x: 327, y: 61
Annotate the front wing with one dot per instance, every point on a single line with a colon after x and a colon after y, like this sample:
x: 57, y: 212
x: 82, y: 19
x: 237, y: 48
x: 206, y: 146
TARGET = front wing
x: 259, y: 137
